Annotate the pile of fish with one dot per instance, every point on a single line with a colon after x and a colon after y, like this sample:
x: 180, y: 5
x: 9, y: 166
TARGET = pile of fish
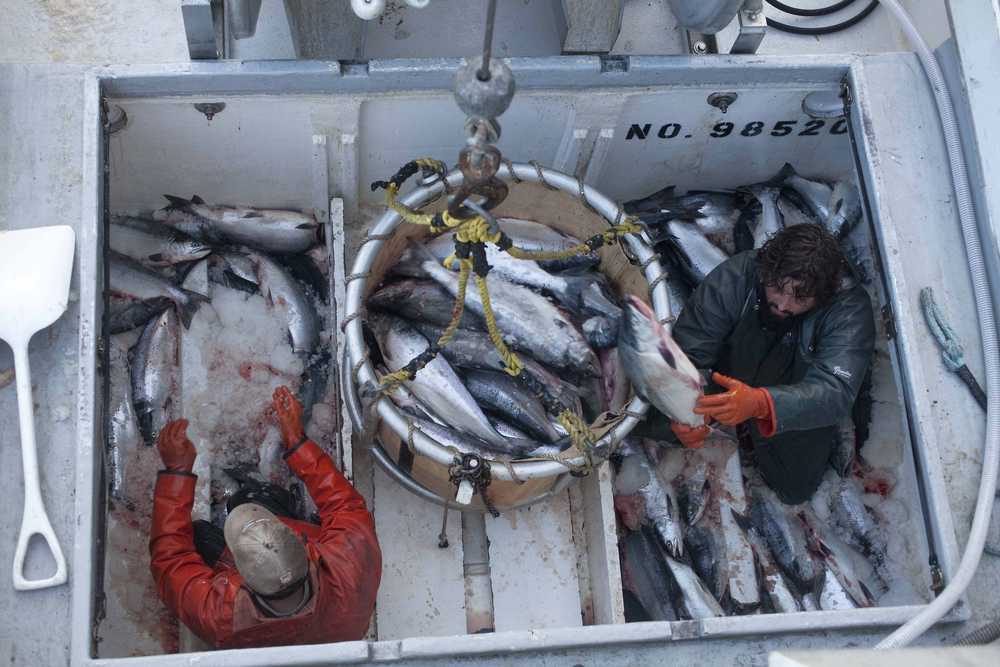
x: 562, y: 319
x: 257, y: 251
x: 703, y: 536
x: 697, y: 231
x: 208, y: 309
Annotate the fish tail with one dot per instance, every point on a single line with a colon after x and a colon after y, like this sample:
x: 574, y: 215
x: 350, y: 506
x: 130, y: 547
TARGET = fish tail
x: 786, y: 172
x: 657, y: 200
x: 187, y: 309
x: 233, y: 281
x: 178, y: 202
x: 742, y: 520
x: 320, y: 232
x: 602, y: 304
x: 700, y: 505
x: 314, y: 382
x: 690, y: 212
x: 144, y: 420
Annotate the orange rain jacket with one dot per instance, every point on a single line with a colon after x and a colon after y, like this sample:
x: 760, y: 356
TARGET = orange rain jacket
x: 345, y: 565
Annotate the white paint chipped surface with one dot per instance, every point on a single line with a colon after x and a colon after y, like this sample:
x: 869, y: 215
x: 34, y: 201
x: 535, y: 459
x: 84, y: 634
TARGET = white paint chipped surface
x: 92, y: 31
x: 533, y: 564
x: 423, y: 590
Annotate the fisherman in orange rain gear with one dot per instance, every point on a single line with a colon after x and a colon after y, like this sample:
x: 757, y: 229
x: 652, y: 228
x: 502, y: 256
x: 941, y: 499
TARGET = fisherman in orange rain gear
x: 278, y: 580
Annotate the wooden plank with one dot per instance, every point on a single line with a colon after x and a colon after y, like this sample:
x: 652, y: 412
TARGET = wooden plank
x: 533, y: 562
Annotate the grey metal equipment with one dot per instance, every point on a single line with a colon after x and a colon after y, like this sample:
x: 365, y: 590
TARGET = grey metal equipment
x: 210, y: 24
x: 484, y: 98
x: 323, y: 30
x: 242, y: 16
x: 703, y: 18
x: 592, y: 26
x: 484, y: 88
x: 708, y: 16
x: 824, y: 104
x: 199, y: 26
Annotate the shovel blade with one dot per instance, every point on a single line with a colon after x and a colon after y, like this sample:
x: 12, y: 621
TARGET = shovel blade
x: 35, y: 270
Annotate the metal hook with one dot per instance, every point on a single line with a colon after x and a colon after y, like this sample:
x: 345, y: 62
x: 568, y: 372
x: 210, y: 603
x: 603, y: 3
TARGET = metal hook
x: 484, y: 214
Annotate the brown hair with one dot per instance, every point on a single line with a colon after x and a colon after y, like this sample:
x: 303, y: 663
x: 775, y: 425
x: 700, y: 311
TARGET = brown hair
x: 805, y: 253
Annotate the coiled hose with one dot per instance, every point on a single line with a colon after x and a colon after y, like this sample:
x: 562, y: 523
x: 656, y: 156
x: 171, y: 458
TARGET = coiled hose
x: 804, y: 11
x: 985, y: 635
x: 940, y: 606
x: 821, y: 30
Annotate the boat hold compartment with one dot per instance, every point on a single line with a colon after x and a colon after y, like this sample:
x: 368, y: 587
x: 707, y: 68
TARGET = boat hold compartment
x: 310, y: 136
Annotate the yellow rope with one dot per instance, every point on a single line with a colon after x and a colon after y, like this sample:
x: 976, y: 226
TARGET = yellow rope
x: 512, y: 364
x: 390, y: 380
x: 464, y: 269
x: 579, y: 433
x: 477, y: 230
x: 609, y: 235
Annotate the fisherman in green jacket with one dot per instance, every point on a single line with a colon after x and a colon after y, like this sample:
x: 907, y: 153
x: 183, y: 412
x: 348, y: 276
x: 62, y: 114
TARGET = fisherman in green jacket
x: 788, y: 344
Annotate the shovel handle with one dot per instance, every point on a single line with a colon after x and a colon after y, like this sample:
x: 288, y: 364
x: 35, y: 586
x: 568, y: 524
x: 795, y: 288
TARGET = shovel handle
x: 34, y: 521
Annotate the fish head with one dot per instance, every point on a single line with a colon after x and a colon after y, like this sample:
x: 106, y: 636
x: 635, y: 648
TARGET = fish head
x: 638, y: 323
x: 642, y: 331
x: 379, y: 325
x: 631, y: 510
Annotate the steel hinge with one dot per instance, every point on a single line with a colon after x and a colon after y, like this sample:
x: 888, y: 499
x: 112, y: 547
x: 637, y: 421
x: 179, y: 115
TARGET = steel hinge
x: 888, y: 322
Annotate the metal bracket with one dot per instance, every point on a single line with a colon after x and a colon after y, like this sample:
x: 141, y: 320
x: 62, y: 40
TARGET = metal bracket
x: 752, y: 28
x: 701, y: 44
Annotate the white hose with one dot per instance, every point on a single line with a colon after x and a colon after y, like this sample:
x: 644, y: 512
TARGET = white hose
x: 934, y: 611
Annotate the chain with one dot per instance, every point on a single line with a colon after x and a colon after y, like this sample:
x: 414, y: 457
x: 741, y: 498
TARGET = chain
x: 474, y: 469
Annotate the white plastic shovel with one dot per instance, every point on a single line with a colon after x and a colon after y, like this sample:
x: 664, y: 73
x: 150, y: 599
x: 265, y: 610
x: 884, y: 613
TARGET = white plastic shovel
x: 35, y: 268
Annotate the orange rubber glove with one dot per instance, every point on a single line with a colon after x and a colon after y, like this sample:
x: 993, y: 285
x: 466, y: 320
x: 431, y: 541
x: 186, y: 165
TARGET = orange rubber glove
x: 692, y: 437
x: 739, y: 403
x: 178, y: 453
x: 288, y: 411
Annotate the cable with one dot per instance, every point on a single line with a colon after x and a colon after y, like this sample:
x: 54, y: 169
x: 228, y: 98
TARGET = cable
x: 827, y: 29
x: 819, y: 11
x: 962, y: 577
x: 484, y: 71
